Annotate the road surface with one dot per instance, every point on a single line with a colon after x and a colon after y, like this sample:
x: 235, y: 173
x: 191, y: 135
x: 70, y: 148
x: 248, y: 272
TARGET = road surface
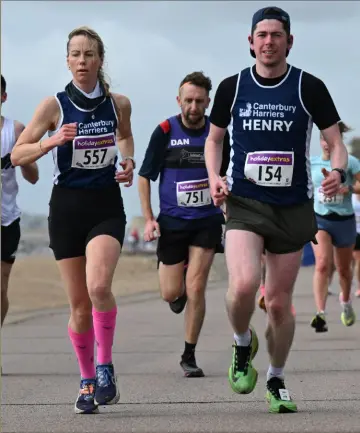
x: 40, y: 374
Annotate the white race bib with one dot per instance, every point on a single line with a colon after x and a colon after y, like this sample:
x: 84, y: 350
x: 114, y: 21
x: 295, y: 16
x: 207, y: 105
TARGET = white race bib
x: 94, y: 152
x: 193, y: 193
x: 323, y: 199
x: 270, y: 168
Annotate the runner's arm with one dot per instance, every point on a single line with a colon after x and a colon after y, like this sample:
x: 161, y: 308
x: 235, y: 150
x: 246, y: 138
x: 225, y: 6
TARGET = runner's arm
x: 151, y: 167
x: 320, y: 105
x: 220, y: 118
x: 214, y: 150
x: 124, y: 136
x: 338, y: 152
x: 145, y: 198
x: 27, y: 148
x: 225, y: 154
x: 30, y: 171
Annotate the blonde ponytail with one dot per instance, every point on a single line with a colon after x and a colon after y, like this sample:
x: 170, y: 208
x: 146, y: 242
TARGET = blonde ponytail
x: 103, y: 82
x: 344, y: 128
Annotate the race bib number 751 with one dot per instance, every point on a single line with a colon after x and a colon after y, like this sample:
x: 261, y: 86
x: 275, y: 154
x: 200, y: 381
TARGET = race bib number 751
x: 193, y: 193
x: 270, y: 168
x: 94, y: 152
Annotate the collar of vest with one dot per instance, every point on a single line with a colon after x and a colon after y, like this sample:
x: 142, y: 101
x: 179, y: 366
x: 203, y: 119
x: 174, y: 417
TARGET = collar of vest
x: 81, y: 100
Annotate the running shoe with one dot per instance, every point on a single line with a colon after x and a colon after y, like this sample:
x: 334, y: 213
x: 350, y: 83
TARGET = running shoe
x: 348, y: 316
x: 188, y: 364
x: 278, y: 397
x: 178, y: 305
x: 85, y: 402
x: 319, y: 323
x: 261, y: 298
x: 107, y: 391
x: 242, y: 375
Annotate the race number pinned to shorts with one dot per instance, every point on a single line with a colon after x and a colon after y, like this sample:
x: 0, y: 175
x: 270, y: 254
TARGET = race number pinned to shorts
x: 94, y: 152
x: 334, y: 200
x: 270, y: 168
x: 193, y: 193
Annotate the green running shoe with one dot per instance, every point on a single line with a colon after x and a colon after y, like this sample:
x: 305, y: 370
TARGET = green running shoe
x: 242, y: 375
x: 348, y: 317
x: 278, y: 397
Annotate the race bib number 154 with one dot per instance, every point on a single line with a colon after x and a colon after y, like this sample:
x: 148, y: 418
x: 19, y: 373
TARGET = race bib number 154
x: 270, y: 168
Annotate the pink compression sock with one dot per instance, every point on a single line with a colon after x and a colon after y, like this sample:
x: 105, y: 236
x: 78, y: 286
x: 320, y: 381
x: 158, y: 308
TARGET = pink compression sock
x: 84, y: 349
x: 104, y: 327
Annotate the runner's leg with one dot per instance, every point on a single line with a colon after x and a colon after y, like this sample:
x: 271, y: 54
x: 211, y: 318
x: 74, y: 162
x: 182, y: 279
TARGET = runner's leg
x: 80, y: 329
x: 244, y: 267
x: 200, y: 261
x: 102, y: 255
x: 323, y: 252
x: 5, y: 276
x: 343, y: 263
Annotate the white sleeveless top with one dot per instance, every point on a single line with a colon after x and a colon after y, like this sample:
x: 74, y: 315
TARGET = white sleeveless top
x: 9, y: 209
x: 356, y: 206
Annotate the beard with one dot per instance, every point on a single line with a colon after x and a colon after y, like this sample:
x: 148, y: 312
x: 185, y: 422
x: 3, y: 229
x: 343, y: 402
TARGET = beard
x: 194, y: 120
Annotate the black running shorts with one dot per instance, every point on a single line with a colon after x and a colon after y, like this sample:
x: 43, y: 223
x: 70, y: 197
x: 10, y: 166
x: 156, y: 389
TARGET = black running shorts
x: 78, y: 215
x: 10, y: 238
x: 173, y: 245
x: 285, y: 229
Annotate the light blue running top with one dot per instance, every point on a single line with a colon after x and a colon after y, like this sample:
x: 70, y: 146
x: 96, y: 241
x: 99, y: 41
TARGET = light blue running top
x: 340, y: 204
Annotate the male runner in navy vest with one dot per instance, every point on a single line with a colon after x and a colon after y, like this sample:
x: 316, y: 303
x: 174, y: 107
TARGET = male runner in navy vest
x: 272, y: 107
x: 189, y: 225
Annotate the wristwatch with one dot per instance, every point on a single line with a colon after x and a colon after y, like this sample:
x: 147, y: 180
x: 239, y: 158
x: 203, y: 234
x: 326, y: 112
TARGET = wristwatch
x: 342, y: 174
x: 131, y: 159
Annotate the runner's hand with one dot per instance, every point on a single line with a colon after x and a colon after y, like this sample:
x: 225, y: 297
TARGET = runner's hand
x: 66, y: 133
x: 331, y: 183
x: 151, y: 231
x: 127, y: 175
x: 218, y: 190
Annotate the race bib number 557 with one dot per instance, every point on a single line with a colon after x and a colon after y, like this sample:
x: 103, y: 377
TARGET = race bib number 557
x: 94, y: 152
x: 270, y: 168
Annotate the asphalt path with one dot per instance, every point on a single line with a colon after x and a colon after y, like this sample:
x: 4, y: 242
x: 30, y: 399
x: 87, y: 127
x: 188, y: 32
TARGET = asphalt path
x: 40, y: 373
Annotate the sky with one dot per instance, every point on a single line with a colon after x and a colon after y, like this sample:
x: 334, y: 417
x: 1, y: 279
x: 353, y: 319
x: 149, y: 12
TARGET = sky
x: 151, y: 46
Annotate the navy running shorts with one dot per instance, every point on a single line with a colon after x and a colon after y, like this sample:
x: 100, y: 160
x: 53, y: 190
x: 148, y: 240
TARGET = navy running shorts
x: 342, y: 231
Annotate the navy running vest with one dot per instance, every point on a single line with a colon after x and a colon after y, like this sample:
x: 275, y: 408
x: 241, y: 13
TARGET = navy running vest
x: 184, y: 186
x: 270, y: 141
x: 89, y: 161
